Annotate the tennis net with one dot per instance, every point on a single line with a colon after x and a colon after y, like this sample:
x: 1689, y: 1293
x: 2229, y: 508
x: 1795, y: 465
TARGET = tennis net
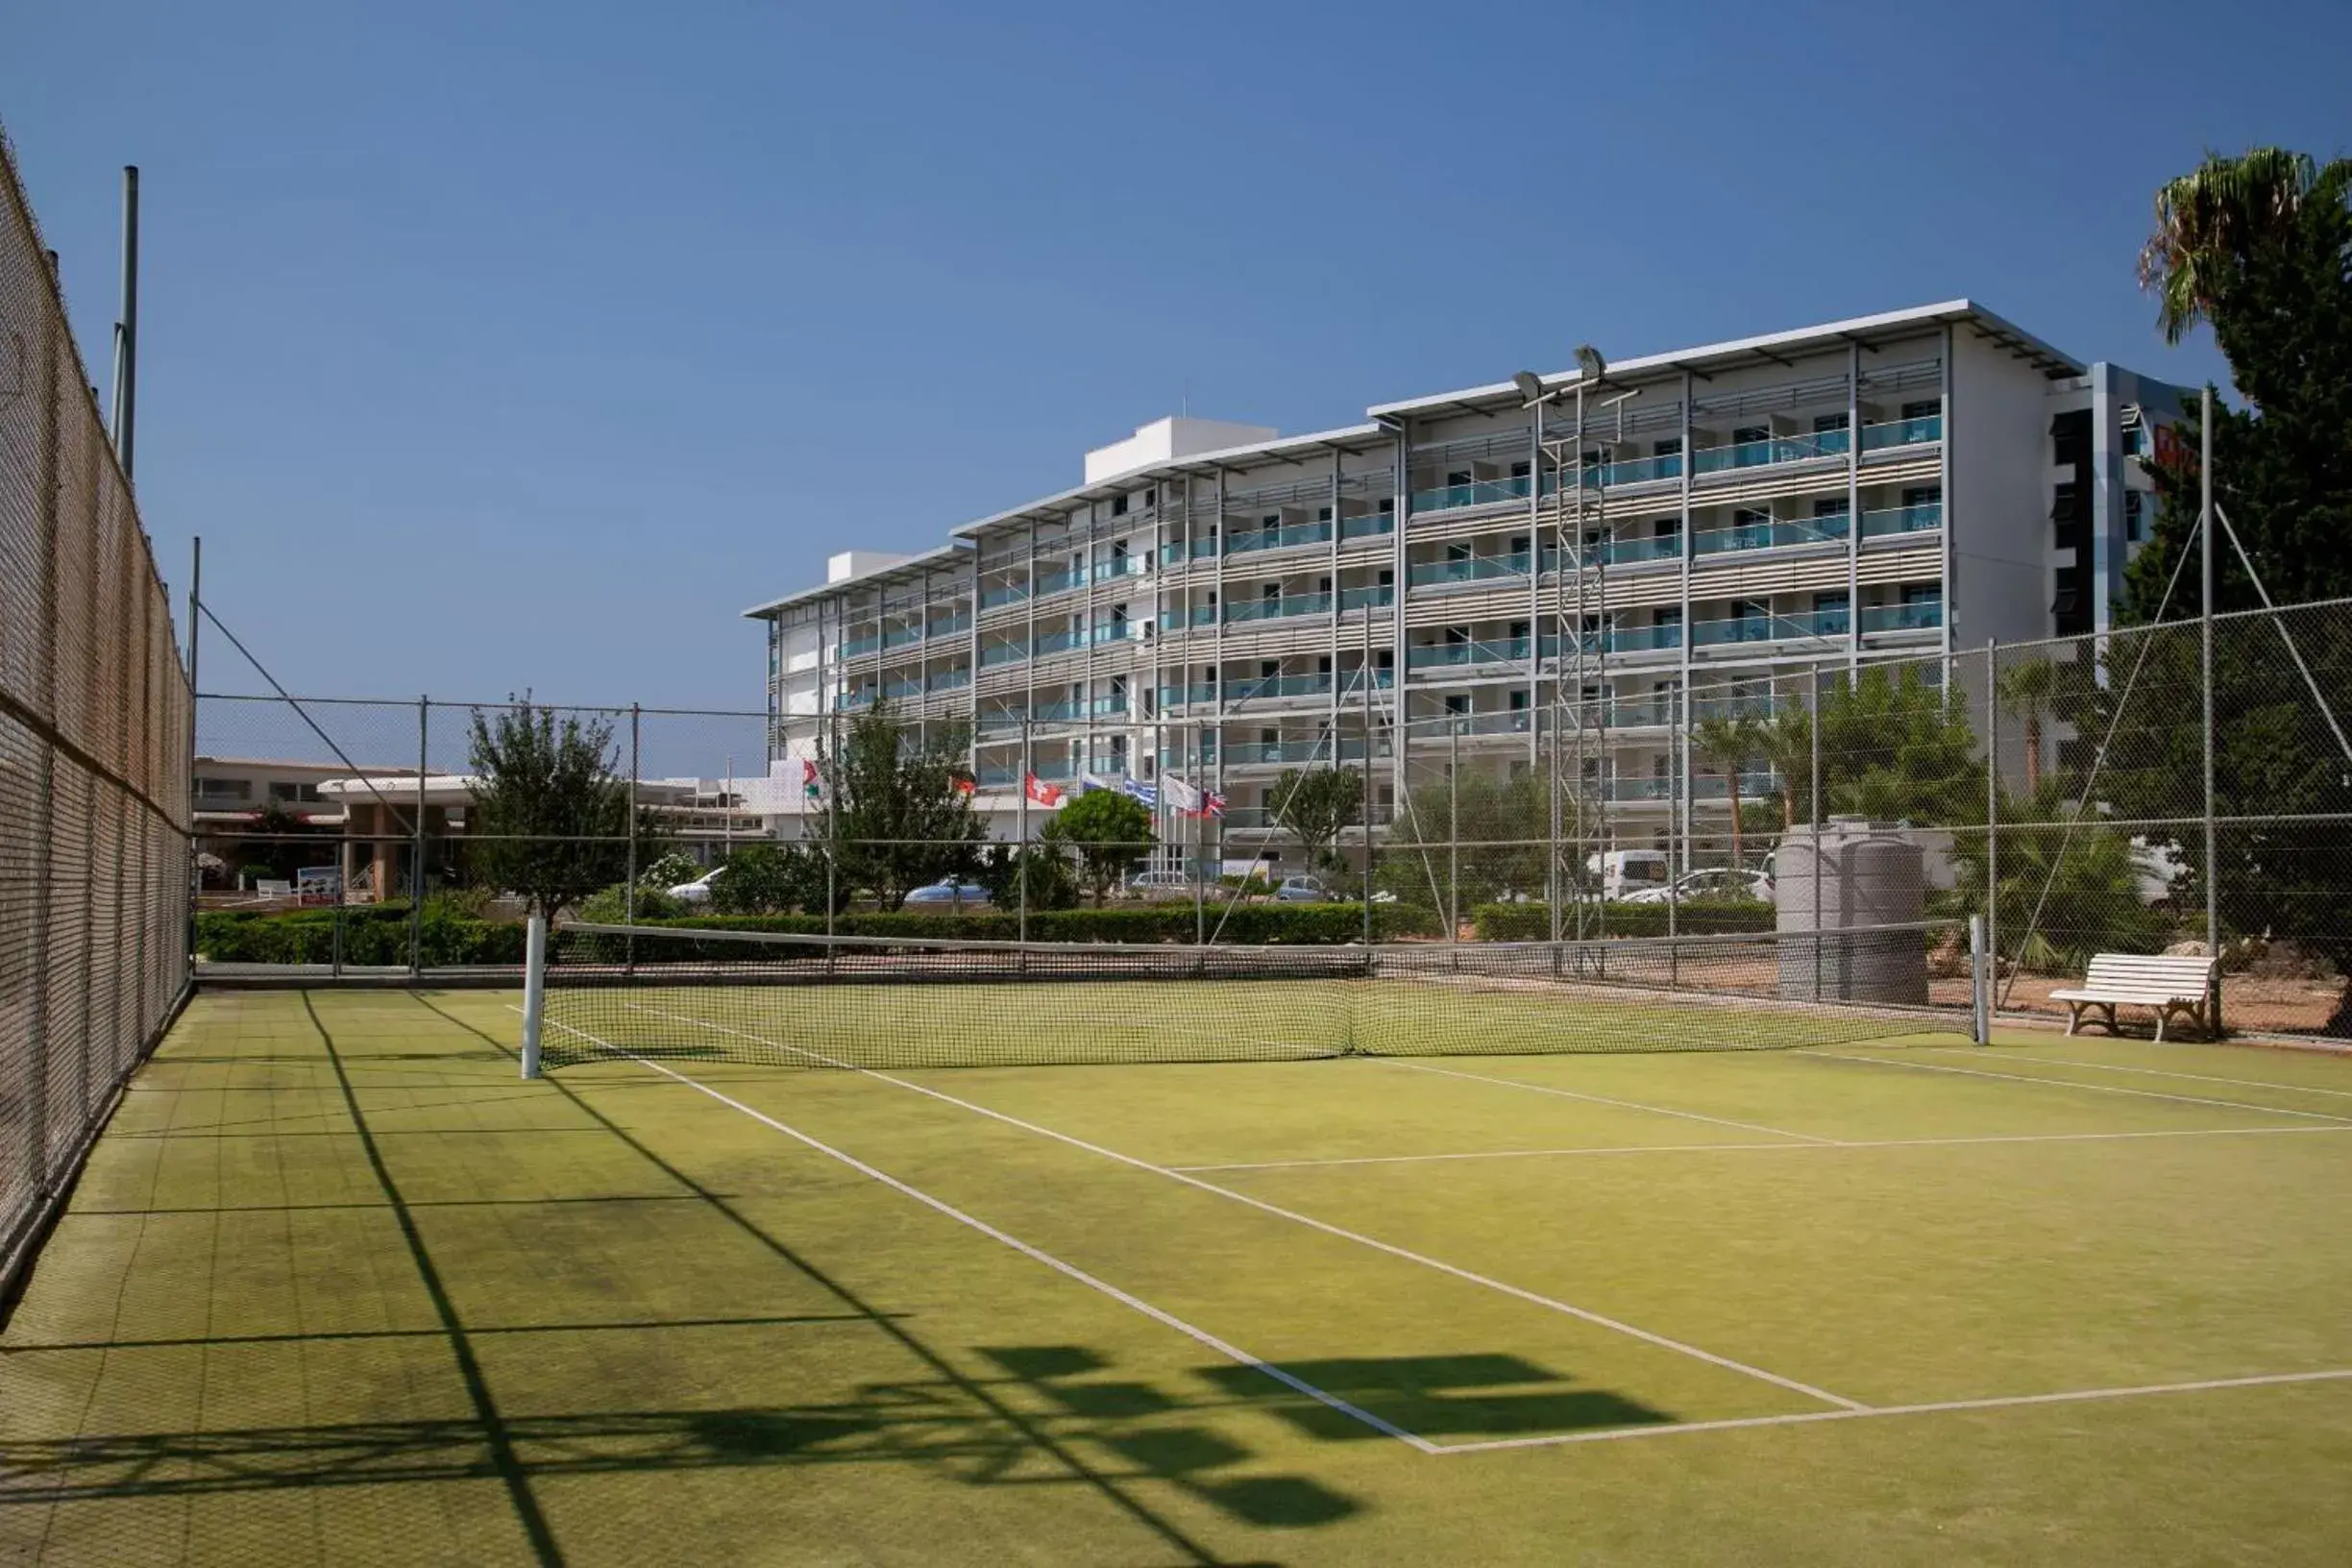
x: 866, y: 1003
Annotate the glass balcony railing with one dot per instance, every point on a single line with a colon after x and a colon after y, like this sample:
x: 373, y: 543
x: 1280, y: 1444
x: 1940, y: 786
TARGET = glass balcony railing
x: 1002, y: 653
x: 1122, y: 566
x: 851, y: 702
x: 1355, y: 599
x: 1768, y: 532
x: 901, y: 636
x: 1257, y: 539
x: 857, y: 646
x: 1369, y: 525
x: 1642, y: 639
x: 1296, y: 754
x: 1443, y: 655
x: 1774, y: 448
x: 1893, y: 520
x: 949, y: 627
x: 1011, y: 593
x: 1634, y: 551
x: 902, y: 688
x: 1062, y: 642
x: 948, y: 680
x: 1625, y: 471
x: 1770, y: 629
x: 1178, y: 696
x: 1741, y: 707
x: 1263, y: 687
x: 1903, y: 432
x: 1055, y: 582
x: 1477, y: 493
x: 994, y: 775
x: 1472, y: 569
x: 1508, y: 721
x: 1267, y: 609
x: 1922, y: 616
x: 1757, y: 786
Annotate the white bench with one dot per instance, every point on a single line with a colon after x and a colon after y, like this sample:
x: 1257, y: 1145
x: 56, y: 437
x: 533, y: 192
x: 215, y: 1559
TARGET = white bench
x: 2169, y: 985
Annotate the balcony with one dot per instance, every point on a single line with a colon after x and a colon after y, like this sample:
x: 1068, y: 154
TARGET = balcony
x: 1056, y: 582
x: 1355, y: 599
x: 1296, y: 753
x: 1002, y: 653
x: 1898, y: 520
x: 1267, y: 609
x: 1508, y: 721
x: 947, y: 680
x: 1769, y: 533
x: 1634, y: 551
x: 903, y: 687
x: 1478, y: 492
x: 1775, y: 449
x: 1770, y: 629
x: 1011, y: 593
x: 1180, y: 696
x: 1264, y: 687
x: 856, y: 647
x: 949, y: 627
x: 1471, y: 569
x: 1640, y: 639
x: 1298, y: 534
x: 1062, y: 642
x: 854, y: 701
x: 1443, y: 655
x: 901, y: 636
x: 1706, y: 787
x: 1122, y: 566
x: 1369, y: 525
x: 1925, y: 616
x: 1903, y: 432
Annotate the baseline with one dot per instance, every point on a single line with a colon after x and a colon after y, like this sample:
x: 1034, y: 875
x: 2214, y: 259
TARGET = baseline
x: 1199, y: 1336
x: 1721, y: 1148
x: 2193, y: 1077
x: 2072, y: 1082
x: 1602, y: 1099
x: 1552, y: 1304
x: 2069, y: 1396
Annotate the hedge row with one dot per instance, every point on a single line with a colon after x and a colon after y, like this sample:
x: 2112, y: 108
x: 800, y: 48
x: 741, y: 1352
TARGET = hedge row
x: 1247, y: 923
x: 379, y: 933
x: 373, y: 934
x: 1698, y: 916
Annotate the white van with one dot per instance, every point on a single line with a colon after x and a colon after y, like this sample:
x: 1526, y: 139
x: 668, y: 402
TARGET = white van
x: 1623, y: 872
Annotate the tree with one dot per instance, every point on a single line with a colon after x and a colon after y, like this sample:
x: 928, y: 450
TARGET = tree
x: 551, y: 820
x: 1501, y: 826
x: 2258, y: 248
x: 1895, y: 747
x: 1038, y: 874
x: 1729, y: 741
x: 1316, y: 805
x: 1109, y: 829
x: 2026, y: 691
x: 900, y: 817
x: 1787, y: 744
x: 774, y: 879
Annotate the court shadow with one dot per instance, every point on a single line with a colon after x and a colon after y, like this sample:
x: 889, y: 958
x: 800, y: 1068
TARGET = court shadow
x: 1476, y: 1395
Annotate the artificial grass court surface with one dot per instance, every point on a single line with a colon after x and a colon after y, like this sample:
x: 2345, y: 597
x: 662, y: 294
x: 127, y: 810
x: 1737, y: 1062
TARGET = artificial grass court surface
x: 337, y: 1287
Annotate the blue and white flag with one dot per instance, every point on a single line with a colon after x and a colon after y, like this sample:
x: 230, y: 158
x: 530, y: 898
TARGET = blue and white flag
x: 1142, y: 790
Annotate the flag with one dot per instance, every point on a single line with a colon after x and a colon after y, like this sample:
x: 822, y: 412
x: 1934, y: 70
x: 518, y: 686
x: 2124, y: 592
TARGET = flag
x: 1142, y: 790
x: 1088, y: 782
x: 965, y: 786
x: 1180, y: 797
x: 809, y: 787
x: 1043, y: 793
x: 1212, y: 804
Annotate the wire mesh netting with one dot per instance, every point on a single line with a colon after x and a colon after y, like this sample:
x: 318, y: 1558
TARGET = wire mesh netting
x: 791, y: 1000
x: 95, y: 714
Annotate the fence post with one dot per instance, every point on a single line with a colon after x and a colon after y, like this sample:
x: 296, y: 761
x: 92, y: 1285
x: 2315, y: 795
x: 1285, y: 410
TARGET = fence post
x: 416, y: 869
x: 1200, y: 838
x: 1813, y: 814
x: 1454, y: 830
x: 1992, y: 804
x: 1021, y: 832
x: 629, y: 888
x: 2205, y: 625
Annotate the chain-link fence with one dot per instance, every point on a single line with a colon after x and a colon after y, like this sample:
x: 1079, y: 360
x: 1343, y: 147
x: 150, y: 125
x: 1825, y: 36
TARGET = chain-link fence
x: 94, y: 716
x: 2057, y: 788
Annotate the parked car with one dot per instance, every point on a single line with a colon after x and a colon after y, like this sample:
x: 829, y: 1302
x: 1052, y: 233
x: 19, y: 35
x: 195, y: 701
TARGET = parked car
x: 1302, y: 889
x: 1720, y: 882
x: 1160, y: 885
x: 699, y: 890
x: 950, y: 890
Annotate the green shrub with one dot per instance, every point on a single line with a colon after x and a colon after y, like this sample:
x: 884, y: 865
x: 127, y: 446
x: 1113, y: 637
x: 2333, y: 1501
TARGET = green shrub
x: 610, y: 906
x: 1246, y: 923
x: 373, y: 934
x: 1698, y: 916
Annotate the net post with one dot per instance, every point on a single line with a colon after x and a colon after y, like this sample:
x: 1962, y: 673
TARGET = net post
x: 1980, y: 987
x: 416, y: 842
x: 535, y: 991
x: 628, y: 893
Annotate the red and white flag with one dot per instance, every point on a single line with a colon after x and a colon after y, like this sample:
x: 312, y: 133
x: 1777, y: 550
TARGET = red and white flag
x: 809, y: 787
x: 1043, y: 793
x: 965, y: 786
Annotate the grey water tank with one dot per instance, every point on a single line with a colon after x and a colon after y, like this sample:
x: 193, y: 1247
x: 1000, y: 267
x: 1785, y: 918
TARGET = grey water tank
x: 1830, y: 885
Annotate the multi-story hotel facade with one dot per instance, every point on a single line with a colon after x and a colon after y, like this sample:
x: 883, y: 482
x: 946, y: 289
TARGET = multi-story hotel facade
x: 1632, y: 540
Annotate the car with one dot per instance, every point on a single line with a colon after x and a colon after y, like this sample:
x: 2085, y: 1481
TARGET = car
x: 699, y: 890
x: 1160, y: 885
x: 959, y: 892
x: 1302, y: 889
x: 1717, y: 882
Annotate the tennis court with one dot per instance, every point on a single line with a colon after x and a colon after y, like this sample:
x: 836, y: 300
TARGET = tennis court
x: 338, y: 1285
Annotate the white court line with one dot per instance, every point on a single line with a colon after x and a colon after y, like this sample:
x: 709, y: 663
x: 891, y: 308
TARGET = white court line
x: 2072, y: 1083
x: 1720, y: 1148
x: 1199, y: 1336
x: 2159, y: 1072
x: 1602, y: 1099
x: 1310, y: 1221
x: 2073, y: 1396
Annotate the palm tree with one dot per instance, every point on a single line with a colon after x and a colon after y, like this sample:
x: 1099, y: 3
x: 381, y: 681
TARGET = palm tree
x: 1788, y: 745
x: 2026, y: 691
x: 2210, y: 221
x: 1729, y: 742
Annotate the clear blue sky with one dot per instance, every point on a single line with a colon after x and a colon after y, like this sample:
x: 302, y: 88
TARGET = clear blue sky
x: 505, y: 346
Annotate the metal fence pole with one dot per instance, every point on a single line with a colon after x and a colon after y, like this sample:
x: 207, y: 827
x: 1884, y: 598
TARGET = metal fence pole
x: 628, y: 893
x: 1454, y: 830
x: 1813, y: 812
x: 828, y: 779
x: 416, y: 869
x: 1993, y: 803
x: 2205, y: 625
x: 1980, y: 984
x: 1020, y: 851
